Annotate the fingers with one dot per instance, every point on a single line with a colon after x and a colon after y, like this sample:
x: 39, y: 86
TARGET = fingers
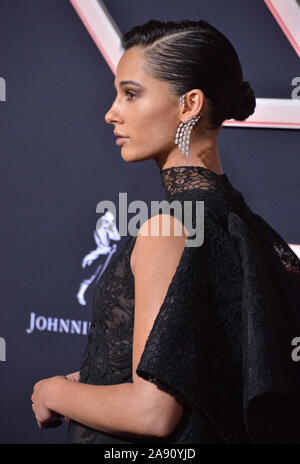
x: 74, y: 376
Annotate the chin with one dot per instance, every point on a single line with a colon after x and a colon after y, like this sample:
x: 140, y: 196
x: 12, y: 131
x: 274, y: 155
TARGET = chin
x: 133, y: 156
x: 129, y: 157
x: 126, y: 156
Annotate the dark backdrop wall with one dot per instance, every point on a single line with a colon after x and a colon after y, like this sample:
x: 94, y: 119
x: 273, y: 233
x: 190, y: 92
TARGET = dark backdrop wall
x: 59, y: 159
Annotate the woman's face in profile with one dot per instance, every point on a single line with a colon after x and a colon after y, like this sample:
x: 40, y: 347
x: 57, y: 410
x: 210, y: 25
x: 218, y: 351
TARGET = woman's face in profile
x: 146, y: 112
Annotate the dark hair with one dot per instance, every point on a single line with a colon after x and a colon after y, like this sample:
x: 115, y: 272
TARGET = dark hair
x: 195, y: 55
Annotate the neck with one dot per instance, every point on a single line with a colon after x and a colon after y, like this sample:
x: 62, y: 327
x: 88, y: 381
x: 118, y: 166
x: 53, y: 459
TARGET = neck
x: 203, y: 152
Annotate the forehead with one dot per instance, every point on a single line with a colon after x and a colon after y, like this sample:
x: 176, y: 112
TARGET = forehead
x: 130, y: 66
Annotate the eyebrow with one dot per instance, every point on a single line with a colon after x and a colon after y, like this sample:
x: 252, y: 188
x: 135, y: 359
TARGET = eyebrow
x: 129, y: 82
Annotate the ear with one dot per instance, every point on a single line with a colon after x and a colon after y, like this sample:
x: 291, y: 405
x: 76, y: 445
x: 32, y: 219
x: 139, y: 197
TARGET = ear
x: 193, y: 104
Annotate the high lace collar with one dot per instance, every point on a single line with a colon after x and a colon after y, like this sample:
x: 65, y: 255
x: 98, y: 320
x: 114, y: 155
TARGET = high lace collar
x: 183, y: 182
x: 179, y: 179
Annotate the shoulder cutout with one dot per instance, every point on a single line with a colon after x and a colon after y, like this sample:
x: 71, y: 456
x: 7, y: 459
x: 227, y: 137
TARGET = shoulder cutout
x: 155, y: 263
x: 162, y: 230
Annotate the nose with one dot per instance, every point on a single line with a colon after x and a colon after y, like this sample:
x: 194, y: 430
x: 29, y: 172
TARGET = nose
x: 111, y: 116
x: 108, y: 117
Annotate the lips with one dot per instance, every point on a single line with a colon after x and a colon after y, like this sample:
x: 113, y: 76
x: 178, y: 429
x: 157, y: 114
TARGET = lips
x: 121, y: 140
x: 117, y: 134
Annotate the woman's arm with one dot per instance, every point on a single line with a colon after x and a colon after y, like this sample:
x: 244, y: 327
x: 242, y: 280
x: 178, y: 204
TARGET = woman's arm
x: 118, y: 409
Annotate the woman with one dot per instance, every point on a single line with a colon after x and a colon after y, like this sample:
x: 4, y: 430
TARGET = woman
x: 188, y: 344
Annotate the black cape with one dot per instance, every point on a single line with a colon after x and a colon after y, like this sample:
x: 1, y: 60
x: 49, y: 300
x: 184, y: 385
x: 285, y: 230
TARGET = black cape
x: 224, y: 336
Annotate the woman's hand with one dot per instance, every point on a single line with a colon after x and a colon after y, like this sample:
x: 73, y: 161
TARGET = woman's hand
x: 46, y: 418
x: 42, y: 390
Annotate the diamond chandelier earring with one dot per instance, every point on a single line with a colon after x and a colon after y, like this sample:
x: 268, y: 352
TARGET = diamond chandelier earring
x: 184, y: 130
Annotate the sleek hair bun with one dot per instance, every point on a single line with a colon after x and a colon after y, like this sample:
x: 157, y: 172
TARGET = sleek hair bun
x: 243, y: 104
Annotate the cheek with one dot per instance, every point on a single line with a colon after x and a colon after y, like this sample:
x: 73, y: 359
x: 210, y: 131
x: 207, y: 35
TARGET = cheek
x: 157, y: 127
x: 161, y: 133
x: 151, y: 122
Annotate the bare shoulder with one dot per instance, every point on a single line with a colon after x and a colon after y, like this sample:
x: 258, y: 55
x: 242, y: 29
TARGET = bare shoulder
x: 160, y: 240
x: 156, y: 257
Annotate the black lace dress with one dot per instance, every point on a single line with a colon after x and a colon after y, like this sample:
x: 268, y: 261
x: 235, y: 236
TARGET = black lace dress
x: 222, y: 340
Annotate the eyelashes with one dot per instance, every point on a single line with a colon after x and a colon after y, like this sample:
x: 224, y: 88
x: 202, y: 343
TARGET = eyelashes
x: 132, y: 95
